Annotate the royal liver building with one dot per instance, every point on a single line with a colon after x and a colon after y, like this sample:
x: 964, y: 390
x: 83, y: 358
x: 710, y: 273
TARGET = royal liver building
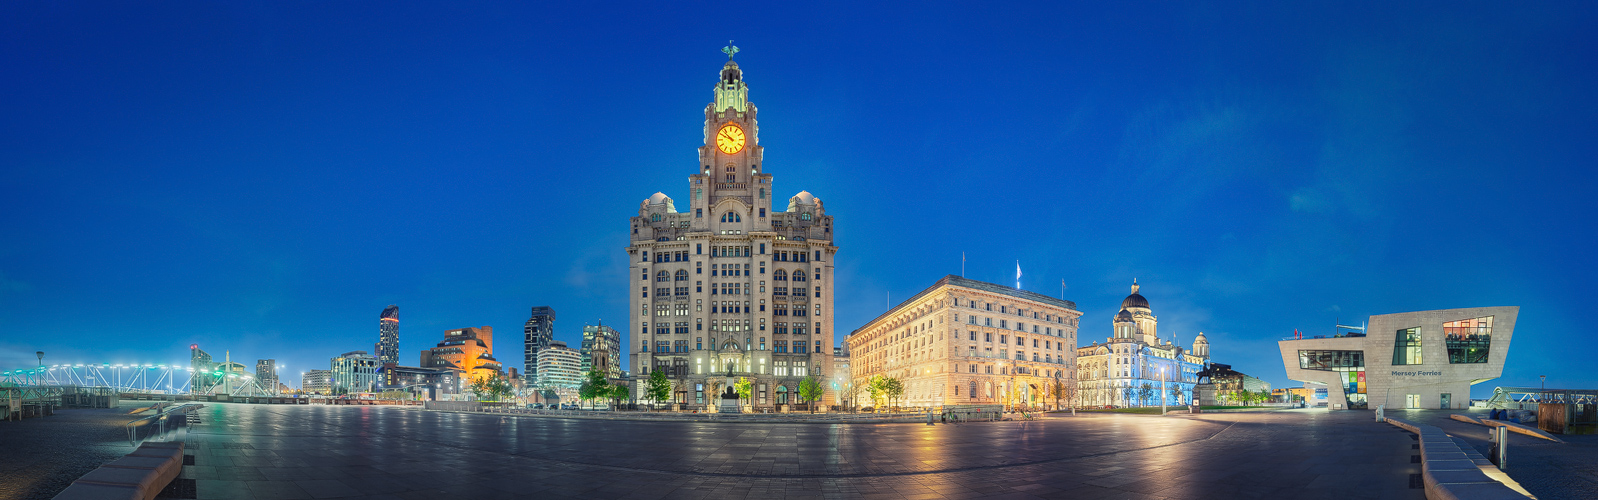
x: 732, y: 284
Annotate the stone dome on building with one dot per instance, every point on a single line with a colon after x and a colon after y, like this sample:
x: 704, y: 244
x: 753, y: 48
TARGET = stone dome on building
x: 660, y: 198
x: 1134, y: 300
x: 1123, y: 316
x: 804, y: 198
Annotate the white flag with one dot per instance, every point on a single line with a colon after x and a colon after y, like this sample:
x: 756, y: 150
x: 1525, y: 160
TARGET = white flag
x: 1018, y: 274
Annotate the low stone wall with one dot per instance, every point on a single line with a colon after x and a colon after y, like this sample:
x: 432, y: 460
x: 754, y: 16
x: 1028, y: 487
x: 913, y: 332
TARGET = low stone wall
x: 139, y: 475
x: 454, y: 405
x: 1452, y: 470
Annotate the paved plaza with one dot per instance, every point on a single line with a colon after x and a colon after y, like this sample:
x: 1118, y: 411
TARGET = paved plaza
x: 261, y: 451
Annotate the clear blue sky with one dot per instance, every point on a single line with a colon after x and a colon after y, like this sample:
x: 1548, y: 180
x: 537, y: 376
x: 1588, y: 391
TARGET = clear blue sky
x: 265, y: 177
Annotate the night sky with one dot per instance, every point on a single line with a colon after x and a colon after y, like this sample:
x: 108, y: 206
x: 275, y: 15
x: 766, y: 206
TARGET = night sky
x: 264, y: 177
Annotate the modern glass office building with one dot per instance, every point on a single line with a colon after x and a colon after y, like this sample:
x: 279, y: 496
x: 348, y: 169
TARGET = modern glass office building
x: 1424, y: 359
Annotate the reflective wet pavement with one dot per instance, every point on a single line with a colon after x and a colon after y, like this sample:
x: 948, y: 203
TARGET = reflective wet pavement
x: 39, y: 457
x: 376, y: 452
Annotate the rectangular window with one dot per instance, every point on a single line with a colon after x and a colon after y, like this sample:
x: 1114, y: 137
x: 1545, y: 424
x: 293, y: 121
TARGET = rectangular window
x: 1331, y: 361
x: 1406, y: 347
x: 973, y: 336
x: 762, y: 214
x: 1468, y: 339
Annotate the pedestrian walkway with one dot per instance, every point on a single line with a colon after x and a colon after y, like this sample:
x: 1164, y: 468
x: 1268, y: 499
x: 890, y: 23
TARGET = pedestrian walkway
x: 323, y: 452
x: 1545, y: 468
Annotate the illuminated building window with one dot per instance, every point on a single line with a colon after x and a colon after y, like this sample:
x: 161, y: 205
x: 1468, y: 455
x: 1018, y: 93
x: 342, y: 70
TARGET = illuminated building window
x: 1406, y: 347
x: 1468, y: 340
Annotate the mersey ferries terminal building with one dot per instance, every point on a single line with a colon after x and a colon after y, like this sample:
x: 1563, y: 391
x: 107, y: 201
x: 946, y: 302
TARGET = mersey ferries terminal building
x: 1426, y: 359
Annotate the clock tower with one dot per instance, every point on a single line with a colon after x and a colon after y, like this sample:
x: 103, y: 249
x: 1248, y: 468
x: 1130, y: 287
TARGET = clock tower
x: 732, y: 285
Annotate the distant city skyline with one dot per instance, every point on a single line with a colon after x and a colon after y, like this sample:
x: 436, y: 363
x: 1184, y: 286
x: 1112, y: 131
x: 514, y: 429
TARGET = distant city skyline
x: 260, y: 188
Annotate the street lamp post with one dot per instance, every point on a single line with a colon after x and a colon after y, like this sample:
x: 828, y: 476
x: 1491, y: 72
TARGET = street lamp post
x: 38, y: 376
x: 1543, y: 389
x: 1162, y: 390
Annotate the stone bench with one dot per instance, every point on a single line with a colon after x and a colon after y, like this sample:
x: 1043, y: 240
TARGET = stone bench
x: 1452, y: 470
x: 139, y: 475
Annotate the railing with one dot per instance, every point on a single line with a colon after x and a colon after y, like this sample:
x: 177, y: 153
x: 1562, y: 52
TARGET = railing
x: 165, y: 421
x: 1515, y: 397
x: 1339, y: 336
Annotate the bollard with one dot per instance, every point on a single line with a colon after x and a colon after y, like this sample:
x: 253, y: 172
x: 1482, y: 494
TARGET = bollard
x: 1503, y: 447
x: 1381, y: 413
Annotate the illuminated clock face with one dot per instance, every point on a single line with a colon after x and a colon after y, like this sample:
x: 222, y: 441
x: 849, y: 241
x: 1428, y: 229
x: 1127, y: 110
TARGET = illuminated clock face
x: 730, y: 139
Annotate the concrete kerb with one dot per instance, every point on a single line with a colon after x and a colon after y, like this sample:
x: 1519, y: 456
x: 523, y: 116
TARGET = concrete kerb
x: 1451, y: 471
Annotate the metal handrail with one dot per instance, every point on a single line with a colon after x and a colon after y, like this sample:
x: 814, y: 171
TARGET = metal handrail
x: 161, y: 421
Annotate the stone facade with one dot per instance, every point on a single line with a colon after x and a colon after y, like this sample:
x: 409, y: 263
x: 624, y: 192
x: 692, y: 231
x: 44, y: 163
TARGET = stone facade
x: 963, y: 341
x: 317, y: 382
x: 733, y: 285
x: 1115, y: 372
x: 601, y: 350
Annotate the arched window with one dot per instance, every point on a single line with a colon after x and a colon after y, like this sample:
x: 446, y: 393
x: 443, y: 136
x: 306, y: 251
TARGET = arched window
x: 782, y: 394
x: 654, y: 217
x: 973, y: 390
x: 804, y: 216
x: 730, y: 169
x: 780, y: 275
x: 682, y: 275
x: 662, y: 277
x: 798, y: 275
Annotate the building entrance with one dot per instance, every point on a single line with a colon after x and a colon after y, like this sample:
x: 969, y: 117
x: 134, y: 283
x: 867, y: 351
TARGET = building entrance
x: 1412, y: 401
x: 1446, y: 401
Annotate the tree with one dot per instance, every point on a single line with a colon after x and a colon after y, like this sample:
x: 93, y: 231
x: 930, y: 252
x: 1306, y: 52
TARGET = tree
x: 895, y: 390
x: 1127, y: 393
x: 1176, y: 393
x: 877, y: 388
x: 1145, y: 392
x: 745, y: 388
x: 658, y: 387
x: 595, y: 387
x: 619, y: 393
x: 810, y: 391
x: 490, y: 388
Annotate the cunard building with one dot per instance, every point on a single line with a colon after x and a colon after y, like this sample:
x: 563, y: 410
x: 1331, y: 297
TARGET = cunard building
x: 730, y: 284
